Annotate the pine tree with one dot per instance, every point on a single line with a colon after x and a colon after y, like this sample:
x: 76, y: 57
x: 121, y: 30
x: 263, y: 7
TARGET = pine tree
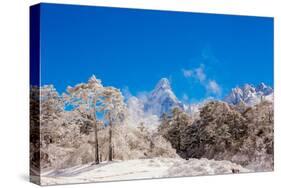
x: 173, y: 128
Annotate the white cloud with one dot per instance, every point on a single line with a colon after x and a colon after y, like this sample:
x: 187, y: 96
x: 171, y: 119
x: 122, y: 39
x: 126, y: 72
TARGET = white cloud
x: 187, y: 73
x: 185, y: 97
x: 198, y: 74
x: 213, y: 87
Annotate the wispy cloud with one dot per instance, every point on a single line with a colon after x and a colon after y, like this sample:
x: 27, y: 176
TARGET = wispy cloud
x: 185, y: 97
x: 126, y: 92
x: 187, y: 73
x: 199, y: 74
x: 213, y: 87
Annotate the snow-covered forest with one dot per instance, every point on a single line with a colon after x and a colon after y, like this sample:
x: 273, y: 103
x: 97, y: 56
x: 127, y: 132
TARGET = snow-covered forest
x: 91, y: 132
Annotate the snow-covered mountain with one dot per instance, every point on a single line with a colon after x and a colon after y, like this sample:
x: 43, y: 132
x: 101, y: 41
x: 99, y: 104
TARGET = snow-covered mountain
x: 162, y: 99
x: 146, y: 109
x: 264, y: 89
x: 249, y: 95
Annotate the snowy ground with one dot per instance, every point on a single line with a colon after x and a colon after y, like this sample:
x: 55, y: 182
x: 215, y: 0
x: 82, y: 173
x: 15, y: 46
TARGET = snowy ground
x: 139, y: 169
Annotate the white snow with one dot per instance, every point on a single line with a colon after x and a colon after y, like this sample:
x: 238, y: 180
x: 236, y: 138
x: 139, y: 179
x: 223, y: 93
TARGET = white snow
x: 139, y: 169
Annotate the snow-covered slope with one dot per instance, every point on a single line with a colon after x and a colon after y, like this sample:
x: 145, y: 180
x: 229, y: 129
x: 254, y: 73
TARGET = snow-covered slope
x: 249, y: 95
x: 140, y: 169
x: 162, y: 99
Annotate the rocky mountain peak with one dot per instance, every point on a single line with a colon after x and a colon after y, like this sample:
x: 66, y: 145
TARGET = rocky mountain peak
x: 264, y: 89
x: 163, y: 84
x: 162, y: 99
x: 249, y: 95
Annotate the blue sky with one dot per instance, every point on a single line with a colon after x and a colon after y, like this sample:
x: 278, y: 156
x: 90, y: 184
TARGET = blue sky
x: 201, y: 54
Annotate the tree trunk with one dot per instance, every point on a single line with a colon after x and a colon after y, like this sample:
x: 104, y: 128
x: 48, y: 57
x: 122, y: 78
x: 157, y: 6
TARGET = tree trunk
x: 110, y: 143
x: 96, y: 135
x: 96, y: 143
x: 179, y: 133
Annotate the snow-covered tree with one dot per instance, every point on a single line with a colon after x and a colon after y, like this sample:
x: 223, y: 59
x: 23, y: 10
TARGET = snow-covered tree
x: 115, y: 110
x: 173, y: 128
x: 258, y: 146
x: 87, y: 98
x: 51, y: 107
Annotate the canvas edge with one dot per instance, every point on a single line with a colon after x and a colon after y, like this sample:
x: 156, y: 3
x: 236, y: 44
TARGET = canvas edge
x: 34, y: 81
